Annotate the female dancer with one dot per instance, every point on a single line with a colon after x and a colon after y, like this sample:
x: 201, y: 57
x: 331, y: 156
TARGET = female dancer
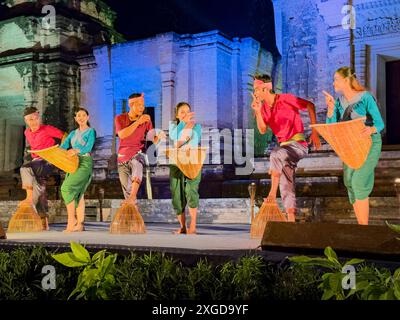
x: 79, y: 142
x: 355, y: 102
x: 185, y: 133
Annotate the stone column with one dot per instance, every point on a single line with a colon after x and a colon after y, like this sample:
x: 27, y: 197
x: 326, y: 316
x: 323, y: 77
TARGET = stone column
x: 167, y: 53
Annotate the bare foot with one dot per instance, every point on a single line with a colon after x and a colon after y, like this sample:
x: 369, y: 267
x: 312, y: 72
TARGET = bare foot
x: 192, y: 231
x: 180, y: 231
x: 46, y: 227
x: 290, y: 217
x: 78, y: 228
x: 70, y: 228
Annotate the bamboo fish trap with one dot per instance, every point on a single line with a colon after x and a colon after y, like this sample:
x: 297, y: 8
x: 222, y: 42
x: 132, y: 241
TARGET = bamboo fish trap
x: 59, y: 157
x: 25, y: 219
x: 268, y: 212
x: 189, y: 161
x: 127, y: 220
x: 346, y: 139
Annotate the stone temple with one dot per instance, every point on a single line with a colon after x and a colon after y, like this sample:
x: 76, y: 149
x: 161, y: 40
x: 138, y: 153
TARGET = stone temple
x: 78, y: 58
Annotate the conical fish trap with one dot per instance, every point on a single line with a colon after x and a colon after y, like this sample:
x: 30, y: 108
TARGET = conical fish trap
x: 268, y: 212
x: 59, y: 157
x: 127, y: 220
x: 25, y: 219
x: 189, y: 161
x: 346, y: 139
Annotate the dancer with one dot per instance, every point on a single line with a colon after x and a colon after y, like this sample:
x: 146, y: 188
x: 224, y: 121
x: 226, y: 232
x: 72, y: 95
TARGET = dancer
x: 34, y: 173
x: 280, y: 112
x: 132, y: 128
x: 185, y: 133
x: 355, y: 102
x: 79, y: 142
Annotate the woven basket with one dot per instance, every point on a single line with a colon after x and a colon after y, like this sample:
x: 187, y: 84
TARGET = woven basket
x: 189, y: 161
x: 268, y: 212
x: 346, y: 139
x: 59, y: 157
x: 127, y: 220
x: 25, y: 219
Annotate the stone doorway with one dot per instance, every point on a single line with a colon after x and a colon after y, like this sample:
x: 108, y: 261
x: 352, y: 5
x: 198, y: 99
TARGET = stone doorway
x: 392, y: 102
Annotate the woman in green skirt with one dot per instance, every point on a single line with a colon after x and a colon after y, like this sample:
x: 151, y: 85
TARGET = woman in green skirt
x: 184, y: 133
x: 355, y: 102
x: 79, y: 142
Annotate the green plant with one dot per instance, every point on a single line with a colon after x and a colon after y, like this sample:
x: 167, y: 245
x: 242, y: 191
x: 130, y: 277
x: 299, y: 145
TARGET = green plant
x: 248, y: 277
x: 295, y: 282
x: 21, y: 275
x: 202, y: 282
x: 151, y: 276
x: 377, y: 284
x: 97, y: 278
x: 394, y: 227
x: 331, y: 282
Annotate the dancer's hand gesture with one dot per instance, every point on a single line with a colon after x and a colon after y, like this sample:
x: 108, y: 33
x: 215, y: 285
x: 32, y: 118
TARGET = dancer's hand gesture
x: 143, y: 119
x: 330, y: 102
x: 188, y: 117
x: 256, y: 104
x: 190, y: 124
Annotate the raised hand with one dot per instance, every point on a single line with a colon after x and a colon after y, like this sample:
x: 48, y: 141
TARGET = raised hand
x: 190, y: 124
x: 330, y: 102
x: 256, y: 104
x: 143, y: 119
x: 188, y: 117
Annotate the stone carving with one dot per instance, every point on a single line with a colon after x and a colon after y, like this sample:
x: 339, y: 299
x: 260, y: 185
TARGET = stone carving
x: 378, y: 26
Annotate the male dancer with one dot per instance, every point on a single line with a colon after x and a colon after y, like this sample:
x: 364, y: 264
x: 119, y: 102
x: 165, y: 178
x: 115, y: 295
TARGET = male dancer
x: 132, y: 128
x: 34, y: 173
x: 280, y: 112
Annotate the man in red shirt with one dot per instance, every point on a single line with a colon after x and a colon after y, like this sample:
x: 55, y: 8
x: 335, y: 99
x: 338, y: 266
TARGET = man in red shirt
x: 34, y: 173
x: 280, y: 112
x: 132, y: 128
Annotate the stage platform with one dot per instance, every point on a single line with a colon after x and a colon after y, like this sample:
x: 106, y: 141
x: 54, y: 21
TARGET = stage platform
x: 214, y: 242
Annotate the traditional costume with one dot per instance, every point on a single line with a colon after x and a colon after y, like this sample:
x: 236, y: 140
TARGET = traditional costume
x: 184, y: 191
x: 284, y: 119
x: 34, y: 174
x: 75, y: 184
x: 131, y: 159
x: 360, y: 182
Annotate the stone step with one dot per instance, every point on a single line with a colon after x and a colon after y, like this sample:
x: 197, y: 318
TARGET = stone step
x: 223, y: 210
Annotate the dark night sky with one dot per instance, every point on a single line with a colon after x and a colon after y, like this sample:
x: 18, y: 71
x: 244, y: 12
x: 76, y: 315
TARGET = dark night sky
x: 241, y: 18
x: 138, y: 19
